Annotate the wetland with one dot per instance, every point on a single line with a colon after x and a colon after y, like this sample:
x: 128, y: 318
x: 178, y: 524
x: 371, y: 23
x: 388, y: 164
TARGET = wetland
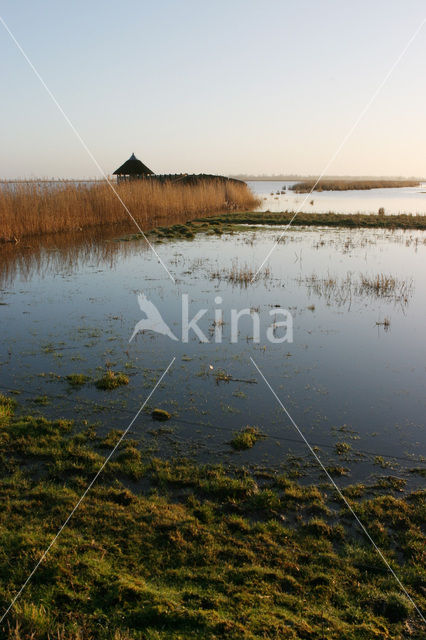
x: 212, y: 518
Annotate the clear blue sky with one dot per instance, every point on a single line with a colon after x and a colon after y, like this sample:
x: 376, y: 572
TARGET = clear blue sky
x: 253, y: 86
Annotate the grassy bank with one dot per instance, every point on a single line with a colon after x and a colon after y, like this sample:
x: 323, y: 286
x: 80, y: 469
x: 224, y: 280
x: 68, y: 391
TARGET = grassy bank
x: 348, y: 185
x: 32, y: 208
x: 192, y: 551
x: 228, y: 223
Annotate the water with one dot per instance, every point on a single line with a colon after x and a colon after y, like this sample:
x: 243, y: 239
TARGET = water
x: 345, y: 378
x: 394, y: 201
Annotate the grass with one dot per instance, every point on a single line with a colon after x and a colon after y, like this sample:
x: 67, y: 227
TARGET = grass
x: 7, y: 406
x: 246, y: 438
x: 35, y: 208
x: 199, y: 552
x: 77, y: 379
x: 385, y: 286
x: 355, y: 220
x: 241, y: 275
x: 111, y: 380
x: 343, y: 290
x: 342, y: 448
x: 347, y: 185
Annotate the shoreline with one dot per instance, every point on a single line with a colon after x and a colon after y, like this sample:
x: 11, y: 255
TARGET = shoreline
x: 226, y: 221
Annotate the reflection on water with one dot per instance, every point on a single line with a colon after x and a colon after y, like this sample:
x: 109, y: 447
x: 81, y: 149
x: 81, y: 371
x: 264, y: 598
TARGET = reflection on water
x: 394, y: 201
x: 61, y: 252
x: 70, y: 307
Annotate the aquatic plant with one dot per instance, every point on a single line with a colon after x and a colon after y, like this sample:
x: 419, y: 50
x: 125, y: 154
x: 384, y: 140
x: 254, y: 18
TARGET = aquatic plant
x: 386, y: 286
x: 237, y: 274
x: 343, y: 290
x: 112, y: 380
x: 246, y: 438
x: 77, y: 379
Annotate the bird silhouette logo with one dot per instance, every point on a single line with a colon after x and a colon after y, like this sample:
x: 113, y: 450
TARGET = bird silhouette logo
x: 153, y: 321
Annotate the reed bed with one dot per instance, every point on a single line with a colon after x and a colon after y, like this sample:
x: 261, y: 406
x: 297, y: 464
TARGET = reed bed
x: 348, y: 185
x: 36, y: 208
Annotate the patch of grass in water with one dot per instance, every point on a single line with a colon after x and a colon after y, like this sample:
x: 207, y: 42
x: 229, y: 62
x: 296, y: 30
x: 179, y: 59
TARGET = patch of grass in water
x: 342, y: 448
x: 42, y: 401
x: 77, y: 379
x: 111, y: 380
x: 246, y: 438
x: 241, y: 275
x: 336, y: 470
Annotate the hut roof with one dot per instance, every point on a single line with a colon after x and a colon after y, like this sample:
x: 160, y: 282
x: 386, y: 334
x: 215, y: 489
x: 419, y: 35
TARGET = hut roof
x: 133, y: 167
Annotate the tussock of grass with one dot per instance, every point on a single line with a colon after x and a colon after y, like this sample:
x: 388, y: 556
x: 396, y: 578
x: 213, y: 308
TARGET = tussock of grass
x: 342, y: 448
x: 336, y: 470
x: 77, y: 379
x: 241, y: 275
x: 343, y: 290
x: 201, y: 552
x: 385, y: 286
x: 42, y: 400
x: 112, y: 380
x: 246, y: 438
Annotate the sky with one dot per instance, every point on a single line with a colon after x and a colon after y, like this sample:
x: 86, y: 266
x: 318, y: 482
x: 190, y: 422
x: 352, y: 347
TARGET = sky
x: 235, y: 86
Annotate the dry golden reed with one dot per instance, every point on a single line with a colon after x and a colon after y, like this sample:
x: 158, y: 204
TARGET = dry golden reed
x: 348, y: 185
x: 34, y: 208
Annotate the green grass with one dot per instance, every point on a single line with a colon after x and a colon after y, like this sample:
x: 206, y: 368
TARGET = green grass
x: 354, y: 220
x: 240, y: 221
x: 195, y: 551
x: 231, y: 222
x: 112, y: 380
x: 77, y: 379
x: 7, y: 406
x: 246, y: 438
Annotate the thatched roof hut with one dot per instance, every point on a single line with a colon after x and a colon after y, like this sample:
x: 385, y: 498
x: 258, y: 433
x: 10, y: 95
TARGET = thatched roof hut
x: 132, y: 168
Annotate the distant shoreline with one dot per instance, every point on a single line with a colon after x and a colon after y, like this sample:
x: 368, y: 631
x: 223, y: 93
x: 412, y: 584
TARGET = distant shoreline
x: 237, y: 176
x: 302, y: 178
x: 308, y: 186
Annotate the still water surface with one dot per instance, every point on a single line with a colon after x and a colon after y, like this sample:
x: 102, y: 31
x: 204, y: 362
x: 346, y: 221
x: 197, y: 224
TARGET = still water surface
x: 394, y: 201
x: 344, y: 378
